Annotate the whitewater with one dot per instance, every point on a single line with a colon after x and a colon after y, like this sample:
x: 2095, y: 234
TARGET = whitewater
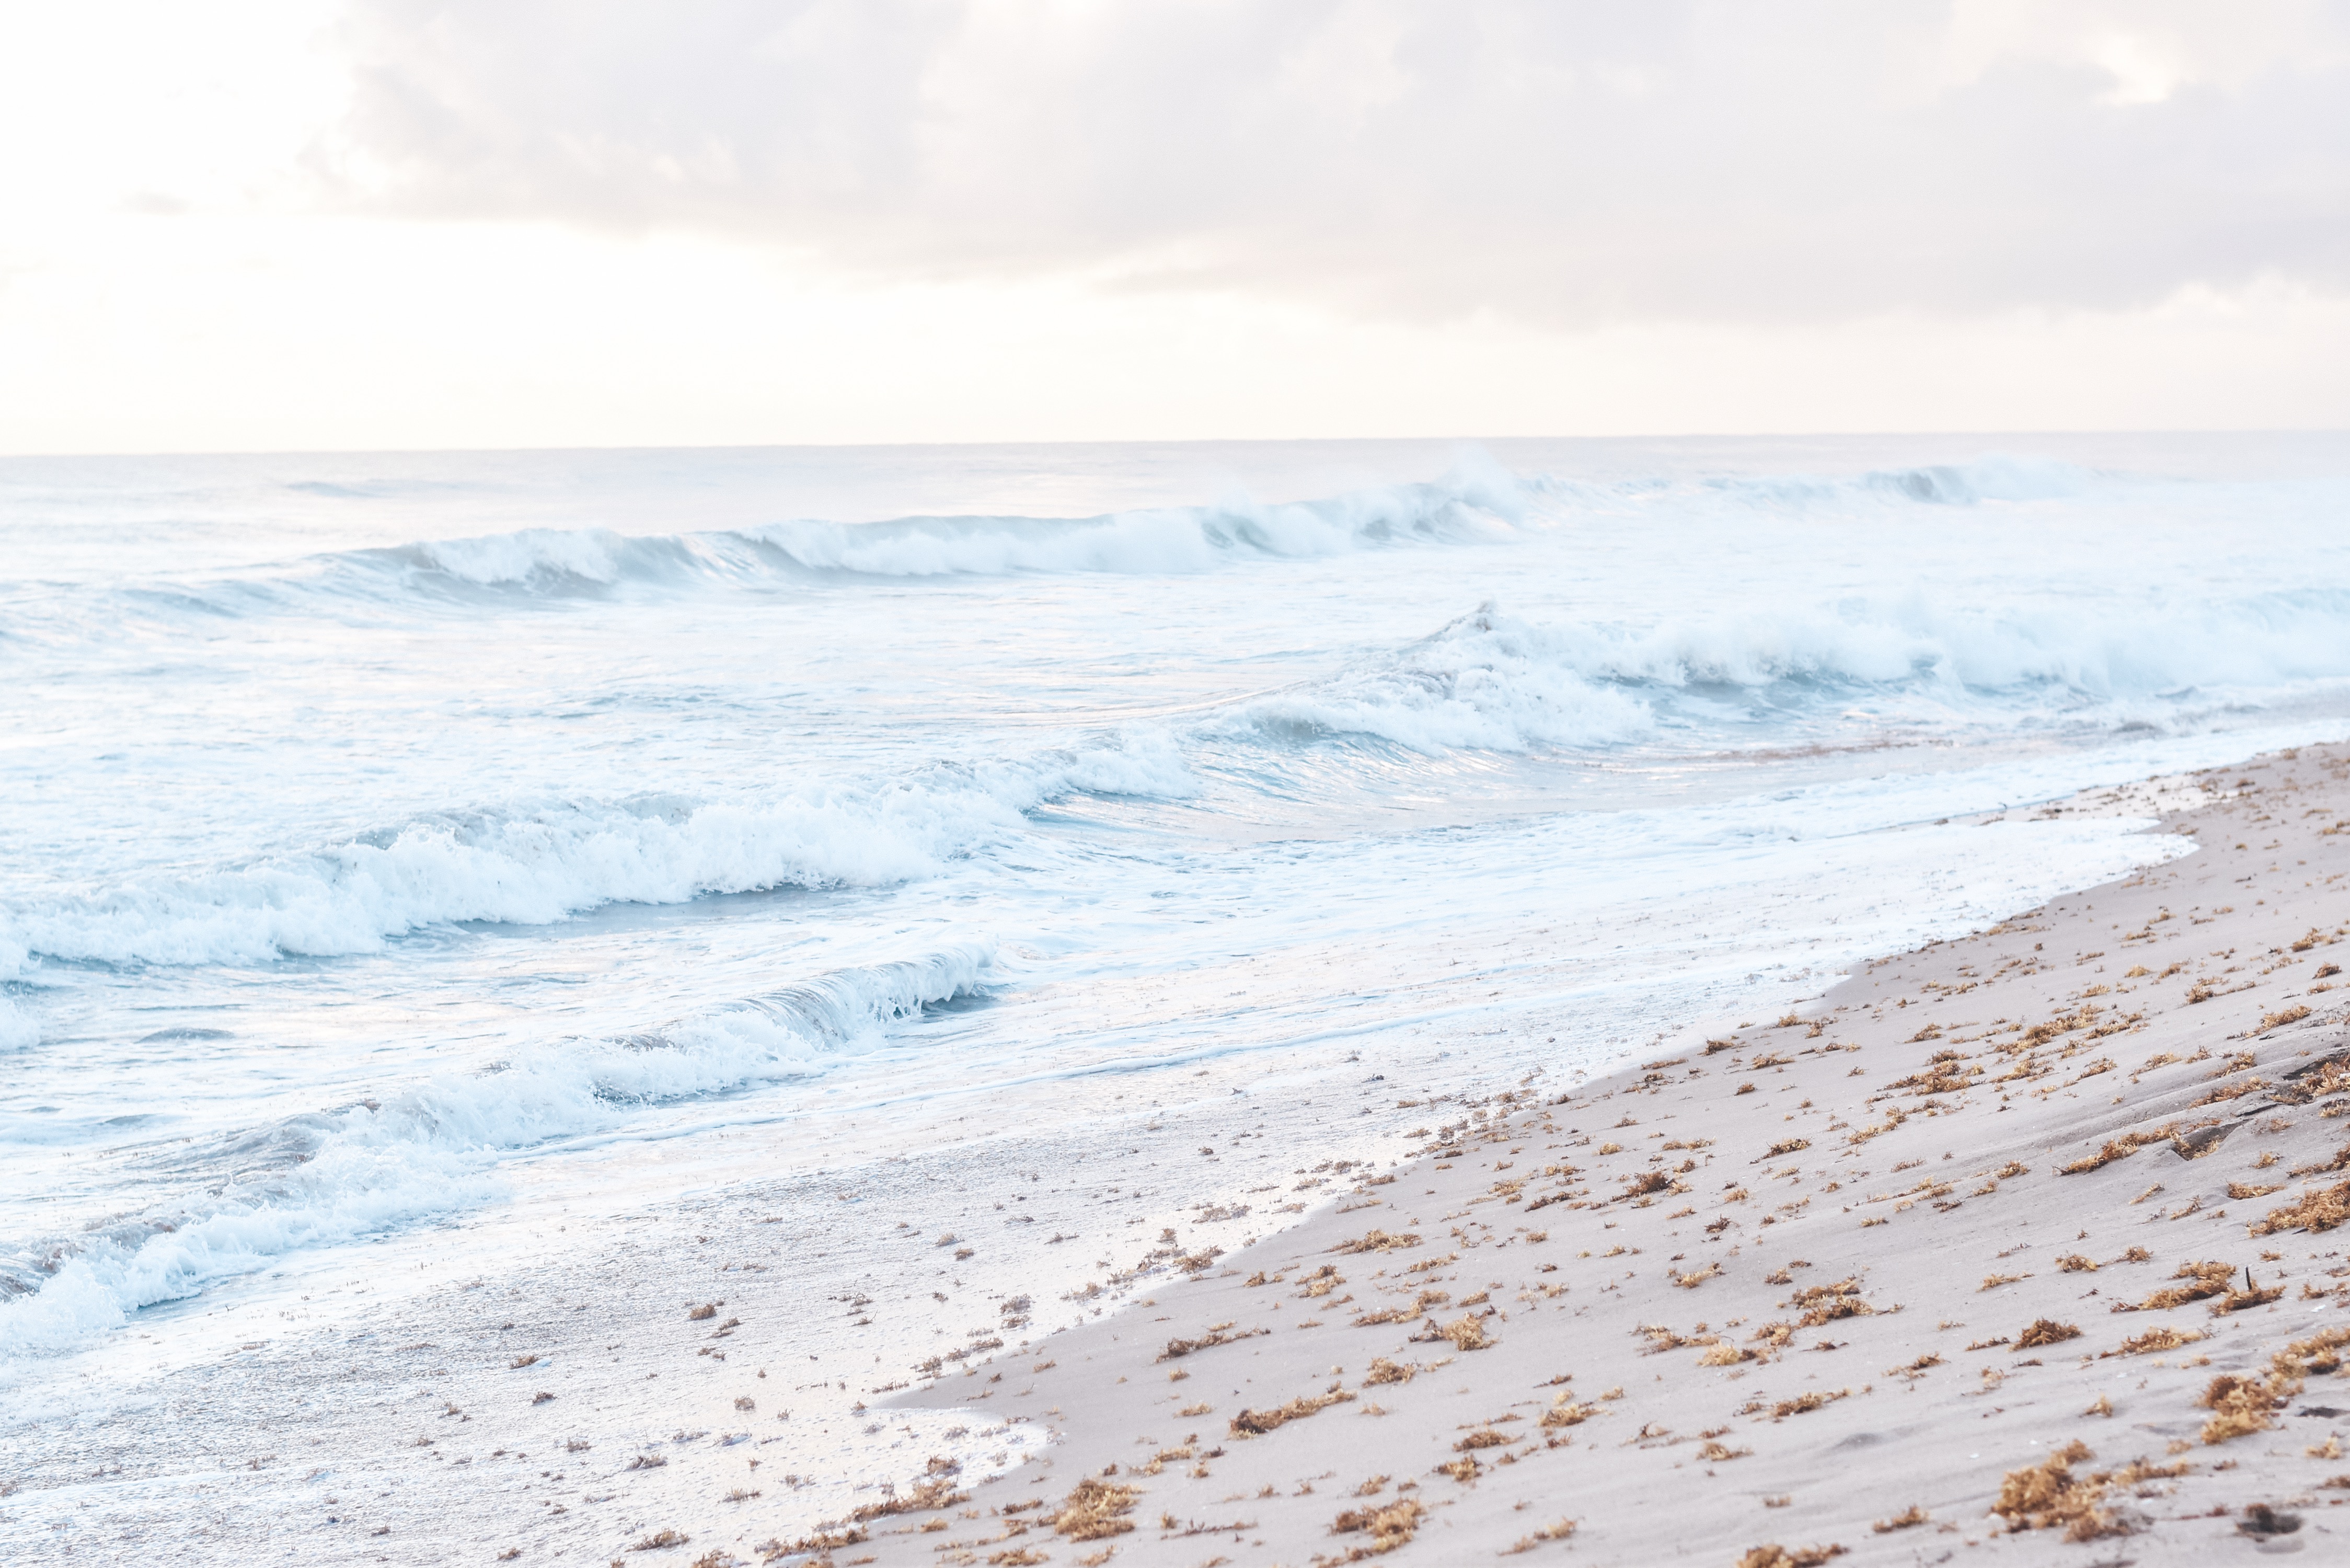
x: 400, y: 850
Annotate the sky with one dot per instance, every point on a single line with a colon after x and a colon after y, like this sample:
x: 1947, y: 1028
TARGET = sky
x: 348, y: 224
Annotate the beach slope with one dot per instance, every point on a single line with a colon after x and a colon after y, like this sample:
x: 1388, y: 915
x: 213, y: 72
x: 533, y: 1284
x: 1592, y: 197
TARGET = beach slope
x: 2021, y: 1247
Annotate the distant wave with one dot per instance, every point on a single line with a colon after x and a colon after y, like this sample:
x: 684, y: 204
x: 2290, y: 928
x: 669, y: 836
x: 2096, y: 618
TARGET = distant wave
x: 1476, y: 502
x: 1995, y: 477
x: 331, y: 1176
x: 1473, y: 503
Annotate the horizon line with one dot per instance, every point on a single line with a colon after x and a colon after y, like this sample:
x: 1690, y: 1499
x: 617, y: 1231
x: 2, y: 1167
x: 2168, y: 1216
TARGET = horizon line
x: 1455, y: 440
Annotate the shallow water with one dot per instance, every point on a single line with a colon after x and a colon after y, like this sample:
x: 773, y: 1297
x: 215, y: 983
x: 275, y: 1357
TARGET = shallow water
x: 392, y: 839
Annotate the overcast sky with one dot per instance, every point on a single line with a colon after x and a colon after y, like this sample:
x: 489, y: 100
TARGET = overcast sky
x: 288, y: 223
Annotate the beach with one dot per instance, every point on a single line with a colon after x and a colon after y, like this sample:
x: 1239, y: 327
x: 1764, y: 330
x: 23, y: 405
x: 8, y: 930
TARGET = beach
x: 2010, y: 1247
x: 604, y: 1100
x: 2017, y: 1246
x: 1010, y: 785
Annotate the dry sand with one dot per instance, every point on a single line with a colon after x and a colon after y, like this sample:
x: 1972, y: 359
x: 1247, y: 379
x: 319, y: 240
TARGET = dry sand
x: 2014, y: 1247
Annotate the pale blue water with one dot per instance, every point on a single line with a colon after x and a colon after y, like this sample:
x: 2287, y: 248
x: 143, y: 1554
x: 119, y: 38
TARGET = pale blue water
x: 378, y: 831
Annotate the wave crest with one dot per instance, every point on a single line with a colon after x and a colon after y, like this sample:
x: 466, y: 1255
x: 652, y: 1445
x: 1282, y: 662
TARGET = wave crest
x: 535, y: 866
x: 1484, y: 682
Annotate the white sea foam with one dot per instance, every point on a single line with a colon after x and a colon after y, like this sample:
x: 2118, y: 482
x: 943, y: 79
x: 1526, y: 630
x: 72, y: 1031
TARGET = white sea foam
x: 1497, y: 682
x: 1483, y: 659
x: 17, y: 1027
x: 2100, y: 650
x: 1476, y: 502
x: 1486, y: 681
x: 533, y: 866
x: 433, y: 1147
x: 623, y: 678
x: 527, y: 556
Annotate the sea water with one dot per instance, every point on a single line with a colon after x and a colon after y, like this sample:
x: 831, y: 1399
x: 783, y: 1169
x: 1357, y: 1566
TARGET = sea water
x: 387, y: 838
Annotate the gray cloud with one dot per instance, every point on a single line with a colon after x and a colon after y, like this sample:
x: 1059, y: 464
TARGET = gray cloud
x: 1548, y: 163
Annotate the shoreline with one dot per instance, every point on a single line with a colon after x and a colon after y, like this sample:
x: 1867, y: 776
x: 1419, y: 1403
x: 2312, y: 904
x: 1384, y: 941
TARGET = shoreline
x: 1764, y: 1337
x: 354, y: 1423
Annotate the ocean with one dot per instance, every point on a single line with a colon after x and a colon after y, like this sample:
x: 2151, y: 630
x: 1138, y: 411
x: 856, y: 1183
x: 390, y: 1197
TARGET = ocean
x: 396, y: 844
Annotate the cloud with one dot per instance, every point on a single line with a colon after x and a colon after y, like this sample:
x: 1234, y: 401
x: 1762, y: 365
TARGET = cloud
x: 1562, y: 165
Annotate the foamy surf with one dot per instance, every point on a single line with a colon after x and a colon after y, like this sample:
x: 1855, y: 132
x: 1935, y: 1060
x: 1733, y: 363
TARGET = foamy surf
x: 386, y: 832
x: 1489, y: 680
x: 536, y: 865
x: 433, y: 1147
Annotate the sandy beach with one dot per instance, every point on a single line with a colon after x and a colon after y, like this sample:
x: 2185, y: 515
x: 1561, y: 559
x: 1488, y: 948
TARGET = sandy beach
x: 2015, y: 1248
x: 2019, y: 1245
x: 1005, y: 785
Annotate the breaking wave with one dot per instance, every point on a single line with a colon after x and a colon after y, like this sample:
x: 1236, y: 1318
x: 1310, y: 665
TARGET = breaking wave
x: 1490, y: 680
x: 2116, y: 651
x: 536, y: 865
x: 433, y: 1147
x: 1486, y: 681
x: 1476, y: 502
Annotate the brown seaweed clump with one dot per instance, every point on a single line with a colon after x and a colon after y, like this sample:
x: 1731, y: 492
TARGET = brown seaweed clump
x: 1776, y: 1556
x: 1379, y: 1241
x: 2154, y: 1339
x: 1466, y: 1332
x: 1256, y: 1423
x: 2046, y: 1331
x: 2121, y: 1147
x: 2320, y: 1353
x: 815, y: 1543
x: 2322, y: 1210
x: 1095, y: 1509
x: 1557, y: 1530
x: 1641, y: 1183
x: 935, y: 1492
x: 1387, y: 1527
x: 2242, y: 1406
x: 2204, y: 1279
x: 2049, y: 1496
x: 1566, y: 1411
x: 1178, y: 1348
x: 1824, y: 1304
x: 2251, y: 1296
